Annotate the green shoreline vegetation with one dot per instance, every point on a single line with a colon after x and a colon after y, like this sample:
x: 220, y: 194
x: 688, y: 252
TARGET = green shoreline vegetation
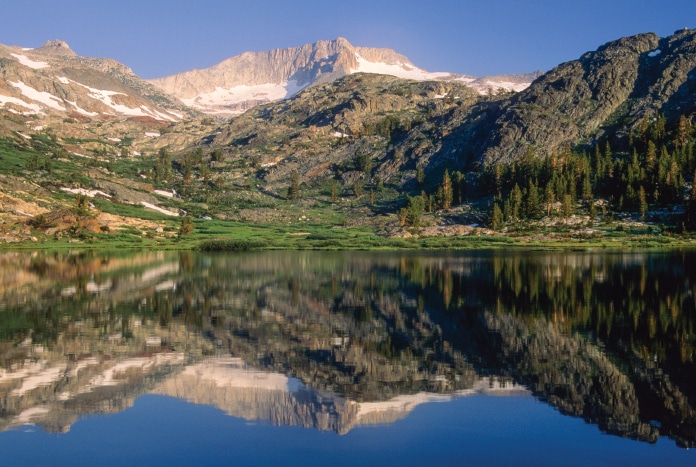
x: 213, y: 235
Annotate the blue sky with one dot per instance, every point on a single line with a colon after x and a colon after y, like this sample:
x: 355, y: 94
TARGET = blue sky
x: 483, y: 37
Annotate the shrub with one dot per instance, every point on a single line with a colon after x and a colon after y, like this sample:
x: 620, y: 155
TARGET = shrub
x: 230, y: 245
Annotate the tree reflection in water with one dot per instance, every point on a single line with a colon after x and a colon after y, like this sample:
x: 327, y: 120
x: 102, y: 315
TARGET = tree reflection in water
x: 605, y: 336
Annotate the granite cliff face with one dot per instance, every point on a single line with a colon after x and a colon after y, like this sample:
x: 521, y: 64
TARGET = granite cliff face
x: 396, y: 123
x: 255, y: 78
x: 90, y: 106
x: 602, y: 95
x: 53, y: 80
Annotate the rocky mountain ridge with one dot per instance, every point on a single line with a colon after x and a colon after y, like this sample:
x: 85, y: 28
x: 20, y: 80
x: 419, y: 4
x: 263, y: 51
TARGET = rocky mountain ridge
x: 253, y: 78
x: 52, y: 79
x: 602, y: 95
x: 92, y: 104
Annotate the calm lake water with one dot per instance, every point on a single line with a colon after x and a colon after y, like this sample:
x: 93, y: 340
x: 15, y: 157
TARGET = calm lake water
x: 317, y: 358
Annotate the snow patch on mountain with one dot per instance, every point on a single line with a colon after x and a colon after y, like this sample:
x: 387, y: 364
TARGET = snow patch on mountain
x: 485, y: 85
x: 105, y: 97
x: 45, y: 98
x: 42, y: 100
x: 34, y: 108
x: 158, y: 115
x: 253, y: 78
x: 400, y: 70
x: 220, y: 100
x: 26, y: 61
x: 82, y: 111
x: 85, y: 192
x: 464, y: 79
x: 158, y: 209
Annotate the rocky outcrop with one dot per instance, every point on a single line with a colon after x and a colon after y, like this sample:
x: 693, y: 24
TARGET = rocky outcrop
x: 244, y: 81
x: 598, y: 96
x: 252, y: 78
x: 56, y: 47
x: 53, y: 80
x: 398, y: 123
x: 437, y: 124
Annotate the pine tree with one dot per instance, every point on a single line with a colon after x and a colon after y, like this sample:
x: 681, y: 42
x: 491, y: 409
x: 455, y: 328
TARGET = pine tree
x: 216, y: 155
x: 458, y: 188
x: 420, y: 175
x: 496, y: 217
x: 690, y: 221
x: 446, y: 191
x: 586, y: 187
x: 598, y: 164
x: 416, y: 205
x: 642, y: 202
x: 294, y: 189
x: 608, y: 160
x: 497, y: 179
x: 532, y: 201
x: 516, y: 202
x: 163, y: 165
x: 549, y: 199
x: 567, y: 206
x: 334, y: 191
x: 186, y: 226
x: 651, y: 161
x: 683, y: 131
x: 379, y: 184
x: 358, y: 187
x: 403, y: 217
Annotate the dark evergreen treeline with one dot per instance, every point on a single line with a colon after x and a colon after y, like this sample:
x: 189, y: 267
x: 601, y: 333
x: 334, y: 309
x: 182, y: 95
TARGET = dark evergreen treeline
x: 650, y: 173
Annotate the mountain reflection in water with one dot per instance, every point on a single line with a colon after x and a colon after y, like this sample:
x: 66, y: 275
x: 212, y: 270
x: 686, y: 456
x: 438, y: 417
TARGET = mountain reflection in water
x: 333, y: 341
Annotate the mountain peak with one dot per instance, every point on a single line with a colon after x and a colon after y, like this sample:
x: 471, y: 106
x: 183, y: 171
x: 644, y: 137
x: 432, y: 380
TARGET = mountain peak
x: 342, y: 41
x: 238, y: 83
x: 241, y: 82
x: 56, y: 47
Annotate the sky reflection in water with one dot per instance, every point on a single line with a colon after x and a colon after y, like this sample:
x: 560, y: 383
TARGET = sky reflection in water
x: 480, y: 430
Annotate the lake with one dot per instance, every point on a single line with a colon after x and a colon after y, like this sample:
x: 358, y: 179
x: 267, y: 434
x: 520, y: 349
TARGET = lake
x: 344, y: 358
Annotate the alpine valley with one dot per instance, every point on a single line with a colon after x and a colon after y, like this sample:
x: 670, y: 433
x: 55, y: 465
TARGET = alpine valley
x: 329, y: 145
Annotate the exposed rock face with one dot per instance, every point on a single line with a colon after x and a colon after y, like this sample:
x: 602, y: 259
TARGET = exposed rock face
x: 56, y: 47
x: 587, y: 99
x: 596, y: 97
x: 53, y: 80
x: 254, y: 78
x: 323, y: 128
